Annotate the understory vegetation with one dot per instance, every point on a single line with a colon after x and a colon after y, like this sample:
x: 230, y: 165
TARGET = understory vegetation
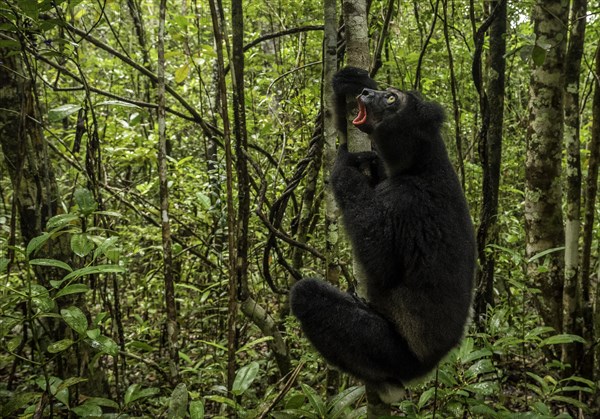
x: 163, y: 183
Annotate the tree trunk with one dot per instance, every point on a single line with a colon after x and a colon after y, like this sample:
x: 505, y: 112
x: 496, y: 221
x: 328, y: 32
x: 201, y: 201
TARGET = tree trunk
x: 491, y: 154
x: 357, y: 49
x: 543, y: 214
x: 332, y: 213
x: 572, y: 292
x: 591, y: 190
x: 232, y: 341
x: 169, y: 273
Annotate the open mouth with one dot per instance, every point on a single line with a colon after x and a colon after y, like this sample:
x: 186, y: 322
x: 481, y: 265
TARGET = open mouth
x: 361, y: 118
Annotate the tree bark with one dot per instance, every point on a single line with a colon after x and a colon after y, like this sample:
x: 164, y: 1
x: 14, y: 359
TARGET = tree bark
x: 491, y: 154
x: 232, y: 340
x: 543, y: 193
x: 591, y: 191
x: 357, y: 47
x: 168, y: 271
x: 332, y: 213
x: 572, y: 291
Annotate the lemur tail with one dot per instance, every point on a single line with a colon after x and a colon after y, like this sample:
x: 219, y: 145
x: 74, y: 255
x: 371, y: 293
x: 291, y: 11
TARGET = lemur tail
x: 352, y: 336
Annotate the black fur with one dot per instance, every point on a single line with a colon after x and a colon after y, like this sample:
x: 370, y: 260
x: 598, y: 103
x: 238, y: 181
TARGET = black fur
x: 411, y: 232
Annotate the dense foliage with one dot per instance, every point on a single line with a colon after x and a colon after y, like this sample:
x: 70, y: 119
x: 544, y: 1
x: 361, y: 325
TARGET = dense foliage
x: 83, y: 328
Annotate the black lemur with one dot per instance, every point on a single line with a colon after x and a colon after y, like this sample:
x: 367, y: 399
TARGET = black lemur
x: 411, y: 232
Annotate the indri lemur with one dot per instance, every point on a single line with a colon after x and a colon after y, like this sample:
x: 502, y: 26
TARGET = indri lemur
x: 411, y: 231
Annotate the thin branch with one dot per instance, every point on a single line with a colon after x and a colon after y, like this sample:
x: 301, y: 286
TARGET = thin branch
x: 377, y: 63
x: 279, y: 234
x: 282, y: 33
x: 417, y: 84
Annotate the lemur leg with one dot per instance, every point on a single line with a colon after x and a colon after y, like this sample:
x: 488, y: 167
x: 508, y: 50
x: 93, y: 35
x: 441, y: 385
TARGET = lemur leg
x: 350, y: 335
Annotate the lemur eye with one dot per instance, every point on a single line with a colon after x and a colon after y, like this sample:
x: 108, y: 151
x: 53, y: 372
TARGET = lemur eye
x: 391, y: 99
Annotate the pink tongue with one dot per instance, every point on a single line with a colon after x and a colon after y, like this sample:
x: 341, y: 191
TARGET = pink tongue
x: 361, y: 118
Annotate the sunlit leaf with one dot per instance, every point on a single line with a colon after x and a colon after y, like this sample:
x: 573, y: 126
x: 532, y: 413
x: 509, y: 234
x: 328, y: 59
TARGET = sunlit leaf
x: 51, y: 262
x: 63, y: 111
x: 181, y: 73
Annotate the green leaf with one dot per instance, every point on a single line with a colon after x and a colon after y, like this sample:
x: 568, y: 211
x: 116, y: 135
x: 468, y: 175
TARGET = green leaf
x: 101, y: 401
x: 425, y: 397
x: 484, y: 388
x: 40, y: 297
x: 14, y: 343
x: 178, y: 402
x: 562, y: 339
x: 538, y: 54
x: 475, y: 355
x: 37, y: 242
x: 90, y: 270
x: 244, y: 378
x: 315, y: 401
x: 105, y: 344
x: 571, y: 401
x: 51, y: 262
x: 61, y: 220
x: 181, y: 73
x: 483, y: 366
x: 295, y: 402
x: 544, y: 253
x: 197, y: 409
x: 29, y: 8
x: 87, y: 409
x: 59, y: 346
x: 140, y: 345
x: 54, y: 383
x: 135, y: 392
x: 72, y: 289
x: 85, y: 201
x: 3, y: 264
x: 63, y: 111
x: 75, y: 318
x: 108, y: 249
x: 81, y: 244
x: 343, y: 400
x: 93, y: 333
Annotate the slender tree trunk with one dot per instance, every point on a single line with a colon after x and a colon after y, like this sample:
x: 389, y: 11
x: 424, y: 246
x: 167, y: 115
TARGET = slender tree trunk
x: 169, y: 273
x: 491, y: 154
x: 591, y: 190
x: 332, y: 267
x: 455, y: 100
x: 357, y: 48
x: 248, y: 305
x: 241, y: 147
x: 218, y: 27
x: 543, y: 193
x: 572, y: 292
